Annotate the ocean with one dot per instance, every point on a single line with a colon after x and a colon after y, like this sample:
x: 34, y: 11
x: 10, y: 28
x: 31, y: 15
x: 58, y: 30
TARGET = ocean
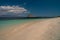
x: 8, y: 23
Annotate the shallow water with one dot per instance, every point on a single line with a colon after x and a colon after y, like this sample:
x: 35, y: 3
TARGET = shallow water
x: 8, y: 23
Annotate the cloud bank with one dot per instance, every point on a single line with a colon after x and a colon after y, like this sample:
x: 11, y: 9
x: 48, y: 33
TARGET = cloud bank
x: 12, y: 9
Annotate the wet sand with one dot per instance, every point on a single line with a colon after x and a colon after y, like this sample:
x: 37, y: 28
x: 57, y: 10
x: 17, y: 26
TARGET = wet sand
x: 48, y: 29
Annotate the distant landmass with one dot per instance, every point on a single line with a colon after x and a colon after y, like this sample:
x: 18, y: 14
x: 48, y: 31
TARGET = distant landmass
x: 24, y: 17
x: 29, y: 16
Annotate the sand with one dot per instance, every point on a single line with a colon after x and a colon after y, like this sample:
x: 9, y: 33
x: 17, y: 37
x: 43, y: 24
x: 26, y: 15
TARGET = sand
x: 48, y: 29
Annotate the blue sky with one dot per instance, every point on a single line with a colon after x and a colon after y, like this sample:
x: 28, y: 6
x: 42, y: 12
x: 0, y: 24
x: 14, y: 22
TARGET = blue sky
x: 35, y: 7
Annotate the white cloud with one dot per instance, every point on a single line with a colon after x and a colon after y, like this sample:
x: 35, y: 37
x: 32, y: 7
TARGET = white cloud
x: 12, y: 9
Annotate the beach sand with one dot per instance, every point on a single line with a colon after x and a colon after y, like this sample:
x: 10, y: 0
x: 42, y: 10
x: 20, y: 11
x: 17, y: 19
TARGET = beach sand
x: 48, y: 29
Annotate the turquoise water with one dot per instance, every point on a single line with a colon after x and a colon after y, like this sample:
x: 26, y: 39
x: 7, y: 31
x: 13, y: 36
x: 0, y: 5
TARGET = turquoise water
x: 7, y: 23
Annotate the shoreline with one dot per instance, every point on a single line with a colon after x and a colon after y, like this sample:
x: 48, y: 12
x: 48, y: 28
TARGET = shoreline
x: 38, y: 30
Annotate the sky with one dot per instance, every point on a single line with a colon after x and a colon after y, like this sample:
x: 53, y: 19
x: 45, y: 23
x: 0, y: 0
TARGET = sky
x: 24, y: 7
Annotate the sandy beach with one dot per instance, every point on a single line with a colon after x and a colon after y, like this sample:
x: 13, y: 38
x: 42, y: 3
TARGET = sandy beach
x: 48, y: 29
